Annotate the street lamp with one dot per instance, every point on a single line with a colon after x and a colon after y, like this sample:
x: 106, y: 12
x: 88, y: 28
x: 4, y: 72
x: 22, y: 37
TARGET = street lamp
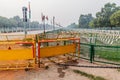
x: 24, y: 9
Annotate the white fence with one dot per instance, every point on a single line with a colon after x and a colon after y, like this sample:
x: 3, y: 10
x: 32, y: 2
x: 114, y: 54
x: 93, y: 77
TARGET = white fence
x: 111, y: 37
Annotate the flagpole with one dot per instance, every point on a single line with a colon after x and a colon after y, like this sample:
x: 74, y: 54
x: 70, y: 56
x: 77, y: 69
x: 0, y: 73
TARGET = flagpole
x: 53, y: 23
x: 43, y: 21
x: 29, y: 15
x: 44, y: 26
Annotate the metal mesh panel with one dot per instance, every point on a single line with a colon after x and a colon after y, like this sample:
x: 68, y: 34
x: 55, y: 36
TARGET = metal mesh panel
x: 15, y: 37
x: 85, y: 51
x: 100, y: 53
x: 108, y: 54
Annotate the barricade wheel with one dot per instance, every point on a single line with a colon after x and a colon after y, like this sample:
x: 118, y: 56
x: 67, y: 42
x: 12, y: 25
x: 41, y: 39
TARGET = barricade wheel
x: 26, y: 69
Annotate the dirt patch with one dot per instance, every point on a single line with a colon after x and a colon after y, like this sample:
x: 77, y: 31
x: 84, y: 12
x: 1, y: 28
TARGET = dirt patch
x: 41, y: 74
x: 109, y: 74
x: 55, y: 72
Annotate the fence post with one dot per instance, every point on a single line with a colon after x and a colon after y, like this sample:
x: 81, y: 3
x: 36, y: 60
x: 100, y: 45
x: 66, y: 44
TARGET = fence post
x: 92, y: 52
x: 65, y: 43
x: 91, y: 38
x: 95, y: 38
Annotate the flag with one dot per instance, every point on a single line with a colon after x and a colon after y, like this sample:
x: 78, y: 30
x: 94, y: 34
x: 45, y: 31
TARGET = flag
x: 46, y: 17
x: 43, y: 17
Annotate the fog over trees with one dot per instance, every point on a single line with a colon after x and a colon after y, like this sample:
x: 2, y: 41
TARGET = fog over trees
x: 16, y: 23
x: 108, y: 16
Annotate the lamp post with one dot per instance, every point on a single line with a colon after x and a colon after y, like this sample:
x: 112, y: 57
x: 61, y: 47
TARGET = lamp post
x: 24, y: 9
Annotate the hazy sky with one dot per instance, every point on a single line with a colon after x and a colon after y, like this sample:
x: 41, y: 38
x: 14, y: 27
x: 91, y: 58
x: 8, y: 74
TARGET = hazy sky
x: 65, y: 11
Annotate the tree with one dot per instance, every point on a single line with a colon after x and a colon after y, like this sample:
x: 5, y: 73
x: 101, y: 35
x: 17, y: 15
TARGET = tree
x: 34, y: 24
x: 103, y: 17
x: 4, y: 23
x: 73, y: 25
x: 84, y: 20
x: 92, y: 23
x: 115, y: 19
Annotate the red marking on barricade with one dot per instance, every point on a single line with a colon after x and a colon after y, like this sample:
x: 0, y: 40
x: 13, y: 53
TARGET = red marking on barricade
x: 9, y: 48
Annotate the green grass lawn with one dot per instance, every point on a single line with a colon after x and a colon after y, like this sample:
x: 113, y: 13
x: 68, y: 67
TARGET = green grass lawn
x: 111, y: 54
x: 90, y: 76
x: 108, y: 53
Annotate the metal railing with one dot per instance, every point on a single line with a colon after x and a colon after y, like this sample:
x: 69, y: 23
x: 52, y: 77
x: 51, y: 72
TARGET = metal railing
x: 100, y: 53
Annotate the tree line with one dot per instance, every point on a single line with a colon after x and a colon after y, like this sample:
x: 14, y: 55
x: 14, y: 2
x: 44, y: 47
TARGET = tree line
x: 16, y: 23
x: 108, y: 16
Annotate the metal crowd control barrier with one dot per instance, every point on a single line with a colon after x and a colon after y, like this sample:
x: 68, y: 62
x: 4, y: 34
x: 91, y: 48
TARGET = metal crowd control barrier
x: 19, y: 51
x: 17, y: 55
x: 49, y: 51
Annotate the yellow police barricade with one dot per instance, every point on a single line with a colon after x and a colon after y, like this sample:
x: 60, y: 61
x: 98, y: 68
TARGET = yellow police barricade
x: 17, y: 54
x: 57, y: 49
